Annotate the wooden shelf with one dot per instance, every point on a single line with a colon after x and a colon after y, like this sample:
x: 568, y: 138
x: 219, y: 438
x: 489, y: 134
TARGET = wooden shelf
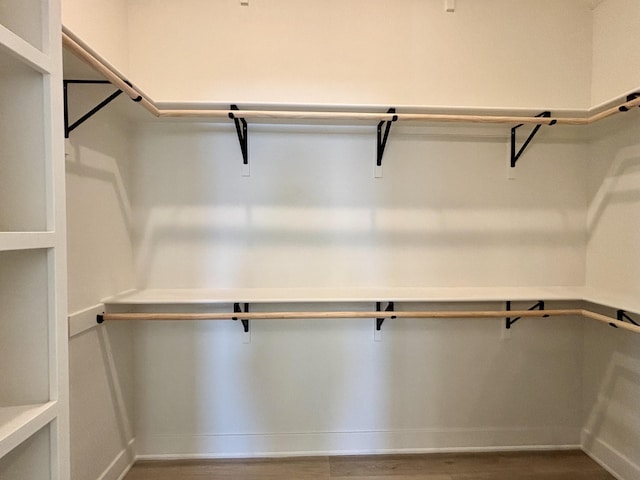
x: 18, y: 423
x: 123, y: 307
x: 345, y: 295
x: 26, y: 240
x: 197, y: 297
x: 23, y: 50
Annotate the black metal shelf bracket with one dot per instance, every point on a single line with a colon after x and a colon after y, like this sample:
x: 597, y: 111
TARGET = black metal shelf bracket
x: 68, y: 128
x: 242, y: 131
x: 516, y: 155
x: 390, y: 308
x: 622, y: 316
x: 510, y: 321
x: 630, y: 98
x: 238, y: 309
x: 382, y: 138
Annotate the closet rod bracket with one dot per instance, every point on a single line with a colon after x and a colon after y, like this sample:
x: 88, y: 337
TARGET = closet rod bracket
x: 100, y: 319
x: 515, y: 155
x: 68, y: 128
x: 630, y: 98
x: 383, y: 137
x: 622, y: 316
x: 380, y: 320
x: 238, y: 309
x: 510, y: 321
x: 242, y: 131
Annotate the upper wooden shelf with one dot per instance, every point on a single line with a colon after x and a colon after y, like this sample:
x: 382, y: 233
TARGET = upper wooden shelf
x: 341, y: 114
x: 119, y: 308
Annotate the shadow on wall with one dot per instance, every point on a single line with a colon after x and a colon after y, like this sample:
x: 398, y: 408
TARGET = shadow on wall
x: 312, y: 205
x: 612, y: 429
x: 110, y: 177
x: 123, y: 423
x: 325, y: 386
x: 614, y: 190
x: 93, y: 156
x: 101, y: 405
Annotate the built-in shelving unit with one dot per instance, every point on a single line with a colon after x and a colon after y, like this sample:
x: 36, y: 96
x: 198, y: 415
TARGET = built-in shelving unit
x: 33, y: 352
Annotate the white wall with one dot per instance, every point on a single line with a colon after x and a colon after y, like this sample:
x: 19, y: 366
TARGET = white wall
x: 615, y: 53
x: 312, y: 215
x: 613, y: 220
x: 100, y: 265
x: 612, y: 361
x: 611, y: 390
x: 529, y: 53
x: 103, y: 24
x: 325, y: 386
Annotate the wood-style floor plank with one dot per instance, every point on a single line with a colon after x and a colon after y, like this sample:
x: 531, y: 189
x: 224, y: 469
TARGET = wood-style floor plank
x: 561, y: 465
x: 249, y: 469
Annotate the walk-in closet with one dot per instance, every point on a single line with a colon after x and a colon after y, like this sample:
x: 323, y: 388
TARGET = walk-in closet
x: 250, y: 230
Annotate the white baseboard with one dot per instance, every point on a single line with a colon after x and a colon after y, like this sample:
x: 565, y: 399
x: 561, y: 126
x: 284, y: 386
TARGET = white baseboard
x: 121, y: 464
x: 354, y: 443
x: 617, y: 464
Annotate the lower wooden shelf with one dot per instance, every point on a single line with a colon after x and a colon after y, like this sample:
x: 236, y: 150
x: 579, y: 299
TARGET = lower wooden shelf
x: 204, y: 304
x: 18, y: 423
x: 338, y: 295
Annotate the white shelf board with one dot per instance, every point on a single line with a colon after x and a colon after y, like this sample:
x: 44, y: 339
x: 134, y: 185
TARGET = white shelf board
x: 26, y: 240
x: 336, y: 295
x: 21, y: 49
x: 18, y: 423
x: 370, y: 108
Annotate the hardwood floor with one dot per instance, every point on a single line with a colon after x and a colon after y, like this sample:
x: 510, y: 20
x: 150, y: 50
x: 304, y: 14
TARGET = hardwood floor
x: 561, y: 465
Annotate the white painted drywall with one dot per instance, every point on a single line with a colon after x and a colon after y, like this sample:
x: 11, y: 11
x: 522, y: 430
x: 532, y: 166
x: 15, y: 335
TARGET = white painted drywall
x: 100, y: 265
x: 325, y: 386
x: 615, y: 52
x: 104, y: 25
x: 613, y: 220
x: 312, y: 215
x: 612, y: 359
x: 529, y: 53
x: 611, y: 389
